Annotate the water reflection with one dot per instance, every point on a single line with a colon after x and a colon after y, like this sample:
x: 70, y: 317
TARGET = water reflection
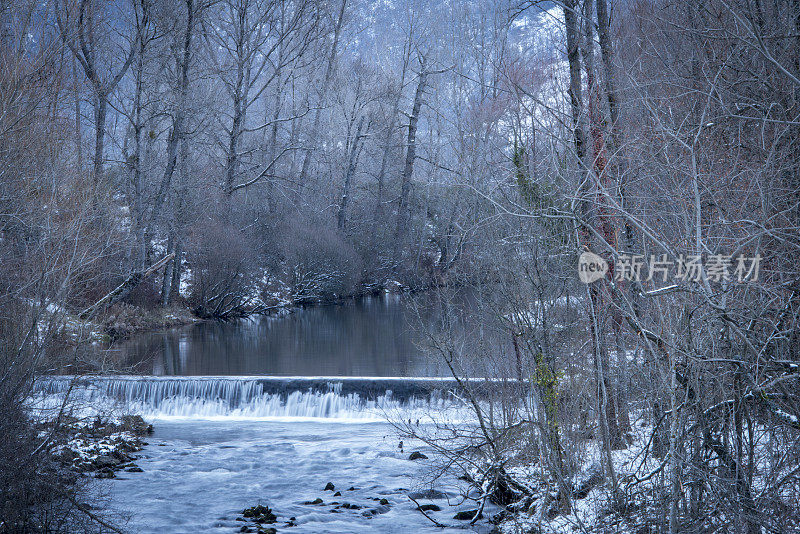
x: 368, y: 337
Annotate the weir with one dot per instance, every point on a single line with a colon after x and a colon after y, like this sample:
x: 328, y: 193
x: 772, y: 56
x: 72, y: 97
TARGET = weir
x: 362, y: 398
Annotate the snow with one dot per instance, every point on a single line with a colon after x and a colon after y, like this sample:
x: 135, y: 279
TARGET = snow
x: 87, y: 448
x: 186, y: 279
x: 590, y: 511
x: 786, y: 416
x: 54, y: 317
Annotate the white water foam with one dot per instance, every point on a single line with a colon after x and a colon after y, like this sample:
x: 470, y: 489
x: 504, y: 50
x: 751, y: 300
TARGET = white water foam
x: 269, y: 398
x: 199, y: 475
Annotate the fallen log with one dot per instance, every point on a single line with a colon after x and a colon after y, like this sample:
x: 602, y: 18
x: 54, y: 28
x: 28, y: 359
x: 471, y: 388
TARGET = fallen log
x: 125, y: 288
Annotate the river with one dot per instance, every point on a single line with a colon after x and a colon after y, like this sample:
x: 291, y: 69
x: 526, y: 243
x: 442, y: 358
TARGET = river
x: 269, y: 410
x: 386, y: 335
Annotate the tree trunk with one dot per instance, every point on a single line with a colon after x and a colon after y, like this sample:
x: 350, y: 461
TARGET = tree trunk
x: 401, y: 227
x: 166, y: 281
x: 175, y: 286
x: 622, y: 383
x: 179, y: 222
x: 84, y: 51
x: 329, y: 70
x: 236, y: 130
x: 101, y: 107
x: 78, y: 136
x: 547, y: 388
x: 599, y: 171
x: 387, y: 146
x: 573, y: 59
x: 177, y: 133
x: 273, y: 138
x: 607, y: 53
x: 138, y: 201
x: 355, y: 148
x: 124, y: 289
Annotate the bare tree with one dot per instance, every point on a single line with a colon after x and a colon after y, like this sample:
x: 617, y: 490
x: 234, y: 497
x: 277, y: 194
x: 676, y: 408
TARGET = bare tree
x: 326, y: 81
x: 81, y: 35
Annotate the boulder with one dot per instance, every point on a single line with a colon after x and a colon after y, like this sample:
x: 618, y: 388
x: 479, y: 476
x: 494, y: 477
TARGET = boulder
x: 329, y: 486
x: 416, y: 455
x: 105, y: 472
x: 428, y: 508
x: 68, y: 456
x: 427, y: 494
x: 376, y: 511
x: 260, y: 514
x: 105, y: 460
x: 467, y: 515
x: 120, y: 456
x: 315, y: 501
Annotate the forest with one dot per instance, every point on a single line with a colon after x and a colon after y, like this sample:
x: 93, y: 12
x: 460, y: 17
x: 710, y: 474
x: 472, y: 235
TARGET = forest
x: 615, y: 182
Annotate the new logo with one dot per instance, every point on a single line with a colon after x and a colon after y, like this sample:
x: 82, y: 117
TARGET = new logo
x: 591, y: 267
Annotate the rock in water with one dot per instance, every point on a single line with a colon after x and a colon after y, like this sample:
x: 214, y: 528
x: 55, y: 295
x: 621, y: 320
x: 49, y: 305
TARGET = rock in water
x: 260, y: 514
x: 105, y: 460
x: 329, y: 486
x: 375, y: 511
x: 467, y: 515
x: 428, y: 508
x: 105, y: 472
x: 120, y: 456
x: 416, y: 455
x: 137, y: 425
x: 427, y: 494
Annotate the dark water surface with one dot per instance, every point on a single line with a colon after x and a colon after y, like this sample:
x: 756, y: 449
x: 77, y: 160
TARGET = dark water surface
x: 376, y: 336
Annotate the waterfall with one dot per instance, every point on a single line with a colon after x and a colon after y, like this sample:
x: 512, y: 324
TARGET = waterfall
x: 334, y: 398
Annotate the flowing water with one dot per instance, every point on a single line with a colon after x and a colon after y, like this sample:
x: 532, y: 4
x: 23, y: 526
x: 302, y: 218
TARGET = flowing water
x: 269, y: 411
x: 207, y: 472
x: 222, y: 444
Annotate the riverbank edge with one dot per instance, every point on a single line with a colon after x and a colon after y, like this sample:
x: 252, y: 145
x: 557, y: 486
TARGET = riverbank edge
x: 124, y: 321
